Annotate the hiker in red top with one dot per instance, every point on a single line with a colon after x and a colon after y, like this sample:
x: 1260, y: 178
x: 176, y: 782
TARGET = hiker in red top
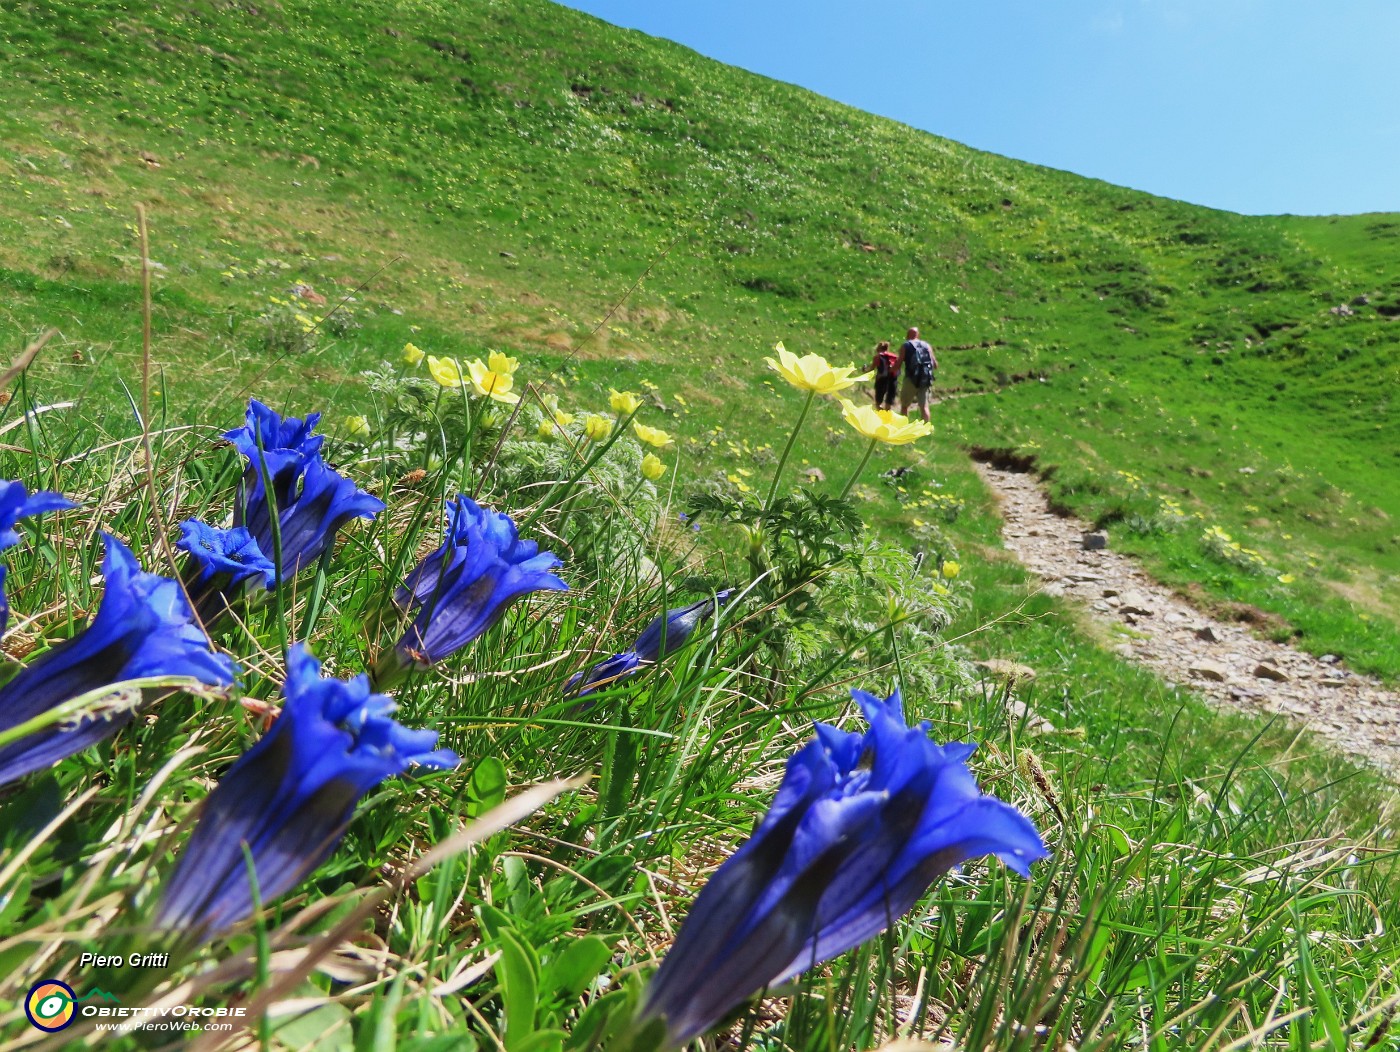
x: 919, y: 368
x: 886, y: 370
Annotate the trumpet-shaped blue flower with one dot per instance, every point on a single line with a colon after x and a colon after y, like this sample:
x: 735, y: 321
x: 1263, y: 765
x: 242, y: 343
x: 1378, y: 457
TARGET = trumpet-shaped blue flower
x: 603, y: 674
x: 673, y: 629
x: 267, y: 435
x: 285, y: 472
x: 463, y: 588
x: 17, y: 503
x: 221, y: 563
x: 664, y: 636
x: 288, y: 800
x: 143, y: 628
x: 861, y: 826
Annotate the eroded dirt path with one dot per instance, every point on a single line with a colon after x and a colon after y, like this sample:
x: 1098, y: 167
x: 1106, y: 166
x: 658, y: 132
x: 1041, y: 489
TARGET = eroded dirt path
x: 1219, y: 659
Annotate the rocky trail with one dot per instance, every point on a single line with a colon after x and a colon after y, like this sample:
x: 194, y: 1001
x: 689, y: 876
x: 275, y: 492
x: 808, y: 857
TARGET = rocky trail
x: 1219, y: 659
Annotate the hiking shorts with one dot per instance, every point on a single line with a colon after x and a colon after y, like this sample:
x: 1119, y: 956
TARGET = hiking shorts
x: 909, y: 394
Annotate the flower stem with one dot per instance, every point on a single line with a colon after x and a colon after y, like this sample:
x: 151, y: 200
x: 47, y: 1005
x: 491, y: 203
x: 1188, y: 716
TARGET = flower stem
x: 850, y: 482
x: 782, y: 461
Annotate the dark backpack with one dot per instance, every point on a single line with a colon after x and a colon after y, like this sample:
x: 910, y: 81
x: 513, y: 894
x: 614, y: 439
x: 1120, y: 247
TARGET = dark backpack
x: 918, y: 363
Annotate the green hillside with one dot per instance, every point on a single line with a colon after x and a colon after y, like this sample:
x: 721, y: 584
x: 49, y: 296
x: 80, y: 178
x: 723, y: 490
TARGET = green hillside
x: 326, y: 182
x: 506, y: 174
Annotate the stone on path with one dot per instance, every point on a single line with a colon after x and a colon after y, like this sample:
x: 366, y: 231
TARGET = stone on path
x: 1138, y: 604
x: 1264, y: 670
x: 1211, y: 670
x: 1207, y: 634
x: 1095, y: 540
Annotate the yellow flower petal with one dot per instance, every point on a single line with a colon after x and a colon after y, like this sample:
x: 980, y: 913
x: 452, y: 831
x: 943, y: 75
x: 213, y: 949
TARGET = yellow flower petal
x: 596, y: 428
x: 502, y: 363
x: 411, y: 354
x: 652, y: 436
x: 884, y: 425
x: 491, y: 384
x: 445, y: 371
x: 812, y: 372
x: 652, y: 468
x: 624, y: 403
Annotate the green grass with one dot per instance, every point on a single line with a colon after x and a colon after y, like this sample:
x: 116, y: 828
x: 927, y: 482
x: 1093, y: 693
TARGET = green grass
x: 504, y: 176
x: 615, y: 209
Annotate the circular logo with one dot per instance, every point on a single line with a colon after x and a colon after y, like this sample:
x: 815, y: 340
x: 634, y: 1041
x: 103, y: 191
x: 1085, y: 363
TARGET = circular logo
x: 50, y: 1005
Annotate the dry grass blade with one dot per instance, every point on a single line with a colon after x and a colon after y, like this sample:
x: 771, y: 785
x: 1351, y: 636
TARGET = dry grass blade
x: 22, y: 362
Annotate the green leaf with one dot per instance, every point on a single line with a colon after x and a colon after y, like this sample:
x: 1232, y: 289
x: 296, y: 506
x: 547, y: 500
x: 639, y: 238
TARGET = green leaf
x: 517, y: 970
x: 569, y: 974
x: 488, y: 785
x: 541, y: 1041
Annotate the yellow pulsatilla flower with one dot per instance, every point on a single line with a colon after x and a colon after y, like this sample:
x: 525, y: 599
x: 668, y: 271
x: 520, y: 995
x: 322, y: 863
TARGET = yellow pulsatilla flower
x: 884, y: 425
x: 950, y: 570
x: 412, y: 354
x: 546, y: 429
x: 1286, y: 578
x: 596, y: 427
x: 652, y: 468
x: 445, y: 371
x: 490, y: 383
x: 551, y: 403
x: 652, y: 436
x: 812, y: 372
x: 502, y: 363
x: 357, y: 426
x: 624, y: 403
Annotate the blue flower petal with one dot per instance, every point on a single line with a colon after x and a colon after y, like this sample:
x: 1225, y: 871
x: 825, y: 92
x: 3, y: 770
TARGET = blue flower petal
x: 288, y: 800
x: 860, y: 827
x: 463, y: 588
x: 143, y: 628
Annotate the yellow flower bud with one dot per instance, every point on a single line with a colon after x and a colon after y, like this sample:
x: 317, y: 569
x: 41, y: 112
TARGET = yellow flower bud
x: 445, y: 371
x: 624, y: 403
x: 596, y: 428
x: 652, y: 468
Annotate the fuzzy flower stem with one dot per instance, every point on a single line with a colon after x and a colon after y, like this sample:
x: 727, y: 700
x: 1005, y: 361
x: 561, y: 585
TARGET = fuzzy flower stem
x: 851, y: 482
x: 782, y: 461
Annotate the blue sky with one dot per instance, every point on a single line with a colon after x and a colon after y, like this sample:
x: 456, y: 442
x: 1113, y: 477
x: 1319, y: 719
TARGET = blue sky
x: 1256, y: 106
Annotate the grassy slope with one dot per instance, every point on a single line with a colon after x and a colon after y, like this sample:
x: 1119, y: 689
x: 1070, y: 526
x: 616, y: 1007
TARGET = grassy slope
x: 502, y: 175
x: 518, y: 168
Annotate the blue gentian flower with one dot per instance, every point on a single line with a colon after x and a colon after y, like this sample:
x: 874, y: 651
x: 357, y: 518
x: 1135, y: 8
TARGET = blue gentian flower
x: 674, y: 628
x: 267, y: 434
x: 861, y: 826
x: 463, y: 588
x: 143, y: 628
x: 603, y: 674
x: 17, y: 503
x: 221, y: 562
x: 662, y: 638
x: 289, y: 799
x: 285, y: 470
